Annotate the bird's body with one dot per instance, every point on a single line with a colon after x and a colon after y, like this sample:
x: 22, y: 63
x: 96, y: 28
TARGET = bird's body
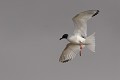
x: 76, y: 39
x: 79, y: 39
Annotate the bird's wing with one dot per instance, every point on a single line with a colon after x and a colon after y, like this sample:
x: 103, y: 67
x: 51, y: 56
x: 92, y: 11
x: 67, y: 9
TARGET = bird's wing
x: 80, y: 21
x: 69, y: 52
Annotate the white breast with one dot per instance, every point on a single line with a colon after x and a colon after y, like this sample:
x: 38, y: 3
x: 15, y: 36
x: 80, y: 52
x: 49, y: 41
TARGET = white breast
x: 76, y: 39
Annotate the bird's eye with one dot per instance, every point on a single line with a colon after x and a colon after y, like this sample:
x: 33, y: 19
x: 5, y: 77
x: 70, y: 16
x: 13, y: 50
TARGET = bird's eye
x: 83, y: 37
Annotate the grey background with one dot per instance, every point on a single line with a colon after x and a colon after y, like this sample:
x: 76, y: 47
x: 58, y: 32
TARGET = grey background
x: 30, y: 46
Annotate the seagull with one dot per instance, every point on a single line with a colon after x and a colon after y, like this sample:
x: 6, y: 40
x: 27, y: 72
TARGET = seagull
x: 79, y: 39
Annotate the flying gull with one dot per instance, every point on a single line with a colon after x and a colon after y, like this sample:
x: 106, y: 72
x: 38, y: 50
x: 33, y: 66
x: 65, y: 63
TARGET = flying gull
x: 79, y: 38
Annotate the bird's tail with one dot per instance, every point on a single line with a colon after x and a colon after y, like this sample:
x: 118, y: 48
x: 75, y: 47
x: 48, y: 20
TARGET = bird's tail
x: 90, y: 40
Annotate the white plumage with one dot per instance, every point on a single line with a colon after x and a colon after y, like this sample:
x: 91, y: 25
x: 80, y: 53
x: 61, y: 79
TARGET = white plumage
x: 79, y: 38
x: 69, y: 52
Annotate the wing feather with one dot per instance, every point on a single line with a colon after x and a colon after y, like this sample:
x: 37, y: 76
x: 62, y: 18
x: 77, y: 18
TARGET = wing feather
x: 80, y: 21
x: 69, y: 52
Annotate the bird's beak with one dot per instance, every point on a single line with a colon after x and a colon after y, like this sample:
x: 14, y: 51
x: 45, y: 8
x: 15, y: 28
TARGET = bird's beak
x: 60, y: 38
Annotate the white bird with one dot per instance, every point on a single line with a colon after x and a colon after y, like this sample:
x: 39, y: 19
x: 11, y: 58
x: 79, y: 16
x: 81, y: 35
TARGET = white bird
x: 79, y: 38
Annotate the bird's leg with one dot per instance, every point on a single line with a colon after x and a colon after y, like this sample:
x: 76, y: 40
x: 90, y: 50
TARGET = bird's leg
x: 80, y: 49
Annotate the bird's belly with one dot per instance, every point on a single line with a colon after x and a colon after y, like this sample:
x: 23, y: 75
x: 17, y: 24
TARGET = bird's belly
x: 74, y: 41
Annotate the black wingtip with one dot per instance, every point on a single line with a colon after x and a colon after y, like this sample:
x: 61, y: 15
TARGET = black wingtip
x: 65, y: 61
x: 95, y: 13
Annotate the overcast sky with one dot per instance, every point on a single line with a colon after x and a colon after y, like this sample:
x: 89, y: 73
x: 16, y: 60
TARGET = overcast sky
x: 30, y: 47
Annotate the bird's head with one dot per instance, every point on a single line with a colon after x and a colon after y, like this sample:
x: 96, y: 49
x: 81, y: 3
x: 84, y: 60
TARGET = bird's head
x: 65, y: 36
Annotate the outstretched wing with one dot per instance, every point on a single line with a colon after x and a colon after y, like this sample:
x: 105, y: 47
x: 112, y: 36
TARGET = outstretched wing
x: 69, y: 52
x: 80, y: 21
